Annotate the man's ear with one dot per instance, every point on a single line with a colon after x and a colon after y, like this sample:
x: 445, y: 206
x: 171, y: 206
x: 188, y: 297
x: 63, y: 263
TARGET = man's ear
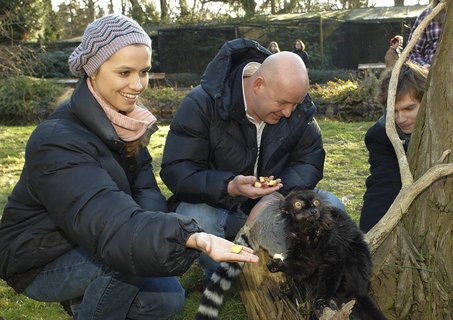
x: 258, y: 84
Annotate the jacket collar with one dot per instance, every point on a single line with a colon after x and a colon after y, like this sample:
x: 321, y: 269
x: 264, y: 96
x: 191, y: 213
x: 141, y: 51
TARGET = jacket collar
x: 87, y: 110
x: 403, y: 136
x: 220, y: 78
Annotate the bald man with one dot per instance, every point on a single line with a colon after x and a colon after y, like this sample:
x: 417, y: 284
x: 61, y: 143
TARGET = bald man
x: 251, y: 116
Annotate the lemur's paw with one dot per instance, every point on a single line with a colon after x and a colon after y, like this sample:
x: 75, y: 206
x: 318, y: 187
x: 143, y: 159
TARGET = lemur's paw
x: 275, y: 265
x: 320, y: 304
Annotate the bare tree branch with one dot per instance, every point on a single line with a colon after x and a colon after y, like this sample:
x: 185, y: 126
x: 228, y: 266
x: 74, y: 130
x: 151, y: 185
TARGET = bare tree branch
x: 402, y: 203
x: 406, y: 175
x: 410, y: 189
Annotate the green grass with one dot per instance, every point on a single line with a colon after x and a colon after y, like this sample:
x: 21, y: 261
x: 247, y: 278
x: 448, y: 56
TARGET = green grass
x: 345, y: 171
x: 346, y: 166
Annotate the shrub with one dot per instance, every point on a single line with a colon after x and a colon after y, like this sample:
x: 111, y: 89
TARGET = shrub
x: 322, y: 76
x: 337, y: 92
x: 162, y: 102
x: 27, y: 100
x: 16, y: 60
x: 53, y: 64
x: 184, y: 80
x: 349, y: 100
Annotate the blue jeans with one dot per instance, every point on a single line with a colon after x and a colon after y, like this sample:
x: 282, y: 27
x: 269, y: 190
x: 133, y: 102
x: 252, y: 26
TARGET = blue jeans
x: 106, y: 294
x: 226, y: 224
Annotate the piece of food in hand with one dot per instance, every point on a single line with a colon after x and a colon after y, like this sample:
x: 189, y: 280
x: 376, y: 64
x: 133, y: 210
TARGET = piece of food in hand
x: 272, y: 182
x: 266, y: 182
x: 236, y: 248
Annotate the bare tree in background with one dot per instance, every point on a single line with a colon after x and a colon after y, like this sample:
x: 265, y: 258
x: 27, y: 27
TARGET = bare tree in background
x: 184, y: 8
x: 164, y: 17
x: 90, y: 9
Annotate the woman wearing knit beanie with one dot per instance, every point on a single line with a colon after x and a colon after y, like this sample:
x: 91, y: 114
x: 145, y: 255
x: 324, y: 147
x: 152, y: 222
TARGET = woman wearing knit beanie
x: 86, y: 223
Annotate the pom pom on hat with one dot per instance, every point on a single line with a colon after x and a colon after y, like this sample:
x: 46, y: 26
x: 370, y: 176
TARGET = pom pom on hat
x: 103, y: 38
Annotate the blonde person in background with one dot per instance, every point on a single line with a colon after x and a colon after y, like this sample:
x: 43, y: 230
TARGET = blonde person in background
x: 273, y: 47
x: 86, y: 224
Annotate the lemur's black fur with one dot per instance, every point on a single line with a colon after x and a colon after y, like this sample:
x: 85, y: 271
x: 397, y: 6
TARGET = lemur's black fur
x: 326, y: 255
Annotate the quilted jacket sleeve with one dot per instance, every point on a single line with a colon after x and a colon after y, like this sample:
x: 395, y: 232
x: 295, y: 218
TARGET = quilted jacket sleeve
x: 384, y: 182
x: 145, y: 190
x: 86, y: 204
x: 306, y: 165
x: 185, y: 163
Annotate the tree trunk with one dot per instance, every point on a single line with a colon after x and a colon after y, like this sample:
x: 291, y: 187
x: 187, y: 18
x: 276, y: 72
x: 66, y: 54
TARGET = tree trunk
x: 413, y: 273
x: 264, y: 294
x: 184, y: 8
x: 164, y: 11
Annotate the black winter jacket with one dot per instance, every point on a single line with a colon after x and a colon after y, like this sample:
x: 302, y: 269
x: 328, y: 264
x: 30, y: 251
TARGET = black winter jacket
x: 384, y: 182
x: 78, y: 189
x: 304, y: 56
x: 211, y: 140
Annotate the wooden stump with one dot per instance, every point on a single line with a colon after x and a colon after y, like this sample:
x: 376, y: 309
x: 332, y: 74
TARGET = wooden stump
x: 262, y: 293
x: 266, y: 295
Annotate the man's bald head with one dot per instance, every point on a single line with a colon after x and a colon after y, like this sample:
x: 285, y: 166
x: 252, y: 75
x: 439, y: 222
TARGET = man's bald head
x: 287, y: 69
x: 276, y: 88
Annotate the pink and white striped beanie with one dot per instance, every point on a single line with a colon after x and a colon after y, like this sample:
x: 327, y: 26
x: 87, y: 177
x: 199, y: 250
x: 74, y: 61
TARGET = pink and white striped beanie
x: 101, y: 39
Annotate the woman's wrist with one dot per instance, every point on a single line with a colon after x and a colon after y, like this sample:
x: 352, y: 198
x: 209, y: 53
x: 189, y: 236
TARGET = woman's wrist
x: 192, y: 241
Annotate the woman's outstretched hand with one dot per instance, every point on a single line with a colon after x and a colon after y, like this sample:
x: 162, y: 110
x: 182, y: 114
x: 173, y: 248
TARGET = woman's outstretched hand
x: 219, y: 249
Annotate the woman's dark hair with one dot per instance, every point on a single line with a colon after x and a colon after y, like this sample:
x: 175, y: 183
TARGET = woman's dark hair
x: 133, y: 147
x: 412, y: 80
x: 395, y: 39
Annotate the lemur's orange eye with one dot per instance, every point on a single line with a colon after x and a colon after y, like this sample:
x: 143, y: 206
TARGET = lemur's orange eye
x: 298, y: 204
x: 316, y: 203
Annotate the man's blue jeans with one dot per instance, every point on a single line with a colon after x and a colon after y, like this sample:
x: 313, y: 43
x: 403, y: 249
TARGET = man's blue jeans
x: 106, y: 294
x: 226, y: 224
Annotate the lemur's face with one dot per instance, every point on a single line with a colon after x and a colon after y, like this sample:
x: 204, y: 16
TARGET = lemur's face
x: 302, y: 205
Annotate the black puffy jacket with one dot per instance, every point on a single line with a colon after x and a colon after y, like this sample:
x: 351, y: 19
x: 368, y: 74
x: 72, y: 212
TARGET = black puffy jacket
x: 78, y: 189
x: 210, y: 139
x: 384, y: 182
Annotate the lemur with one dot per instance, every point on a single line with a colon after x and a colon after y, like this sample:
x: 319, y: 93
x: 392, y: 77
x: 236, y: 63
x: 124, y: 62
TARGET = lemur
x: 322, y: 250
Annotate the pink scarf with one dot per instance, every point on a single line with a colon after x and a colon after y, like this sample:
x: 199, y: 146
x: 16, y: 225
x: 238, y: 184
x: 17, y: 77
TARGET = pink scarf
x: 130, y: 126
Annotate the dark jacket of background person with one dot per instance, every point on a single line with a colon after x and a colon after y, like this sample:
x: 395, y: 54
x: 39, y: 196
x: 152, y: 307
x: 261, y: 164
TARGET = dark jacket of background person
x: 304, y: 56
x: 394, y: 51
x: 384, y: 182
x: 211, y: 140
x: 73, y: 191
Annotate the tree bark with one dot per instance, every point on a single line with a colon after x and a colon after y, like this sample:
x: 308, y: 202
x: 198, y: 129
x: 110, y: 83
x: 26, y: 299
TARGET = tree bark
x: 164, y: 11
x: 413, y: 274
x: 264, y: 294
